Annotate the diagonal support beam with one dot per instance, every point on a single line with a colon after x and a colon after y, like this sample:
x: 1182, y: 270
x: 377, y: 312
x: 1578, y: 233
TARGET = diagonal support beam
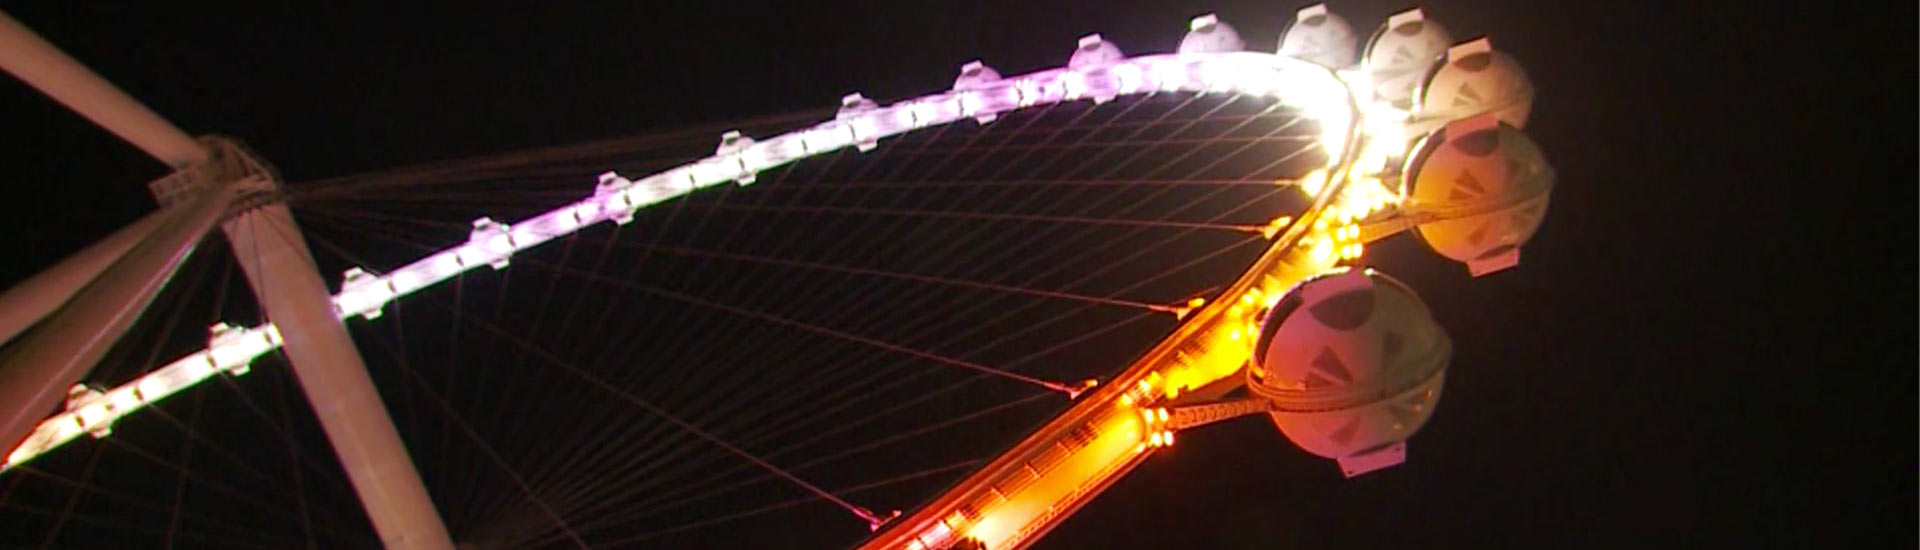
x: 274, y: 255
x: 281, y: 269
x: 29, y: 301
x: 35, y: 374
x: 46, y: 68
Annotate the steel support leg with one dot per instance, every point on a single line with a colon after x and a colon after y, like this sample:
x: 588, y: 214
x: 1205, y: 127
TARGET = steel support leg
x: 26, y: 55
x: 31, y: 300
x: 35, y: 374
x: 280, y: 268
x: 284, y: 277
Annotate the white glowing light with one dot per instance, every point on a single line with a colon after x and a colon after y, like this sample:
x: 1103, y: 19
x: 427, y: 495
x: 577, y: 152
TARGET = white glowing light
x: 969, y: 103
x: 1127, y: 78
x: 1073, y: 85
x: 1030, y: 92
x: 1221, y: 75
x: 1170, y: 76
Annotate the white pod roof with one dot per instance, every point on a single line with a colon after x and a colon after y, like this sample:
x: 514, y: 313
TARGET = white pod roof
x: 1477, y: 79
x: 1399, y: 53
x: 1353, y: 363
x: 1319, y: 37
x: 1486, y: 184
x: 1208, y: 34
x: 1094, y: 51
x: 975, y: 75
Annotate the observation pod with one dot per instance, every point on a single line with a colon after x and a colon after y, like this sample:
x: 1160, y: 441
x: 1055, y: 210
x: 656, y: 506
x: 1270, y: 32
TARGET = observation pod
x: 1320, y: 37
x: 1094, y: 51
x: 1208, y: 34
x: 1484, y: 185
x: 1474, y: 79
x: 1353, y: 363
x: 977, y: 76
x: 1400, y: 52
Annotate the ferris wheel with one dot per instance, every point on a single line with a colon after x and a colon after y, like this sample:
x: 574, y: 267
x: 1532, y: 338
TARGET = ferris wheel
x: 1414, y: 131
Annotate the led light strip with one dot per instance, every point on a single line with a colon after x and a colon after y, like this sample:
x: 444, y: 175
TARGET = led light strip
x: 860, y: 123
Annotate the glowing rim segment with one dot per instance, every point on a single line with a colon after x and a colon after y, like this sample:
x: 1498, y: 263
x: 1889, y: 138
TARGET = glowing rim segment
x: 1316, y: 91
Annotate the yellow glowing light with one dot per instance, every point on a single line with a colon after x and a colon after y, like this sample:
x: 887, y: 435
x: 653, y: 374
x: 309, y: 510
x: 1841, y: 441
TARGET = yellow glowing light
x: 1321, y: 252
x: 1388, y: 128
x: 1209, y: 354
x: 1313, y: 182
x: 989, y: 529
x: 1274, y: 227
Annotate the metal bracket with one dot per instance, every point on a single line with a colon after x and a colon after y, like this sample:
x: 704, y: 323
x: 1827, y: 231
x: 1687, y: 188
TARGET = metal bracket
x: 1355, y: 465
x: 224, y: 336
x: 79, y: 397
x: 487, y: 236
x: 976, y: 76
x: 354, y: 280
x: 852, y: 105
x: 612, y: 183
x: 731, y: 145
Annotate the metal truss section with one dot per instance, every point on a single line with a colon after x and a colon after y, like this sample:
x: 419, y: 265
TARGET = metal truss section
x: 227, y: 161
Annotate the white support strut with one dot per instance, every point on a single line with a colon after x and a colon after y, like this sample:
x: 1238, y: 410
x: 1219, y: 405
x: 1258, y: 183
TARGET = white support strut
x: 29, y: 301
x: 1313, y: 89
x: 38, y: 369
x: 278, y: 265
x: 41, y: 65
x: 269, y: 247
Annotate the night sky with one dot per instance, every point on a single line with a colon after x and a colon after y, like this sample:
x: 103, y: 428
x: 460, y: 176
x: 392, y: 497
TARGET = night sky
x: 1707, y: 342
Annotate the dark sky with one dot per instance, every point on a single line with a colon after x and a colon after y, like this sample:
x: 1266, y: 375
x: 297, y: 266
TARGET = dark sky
x: 1708, y: 341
